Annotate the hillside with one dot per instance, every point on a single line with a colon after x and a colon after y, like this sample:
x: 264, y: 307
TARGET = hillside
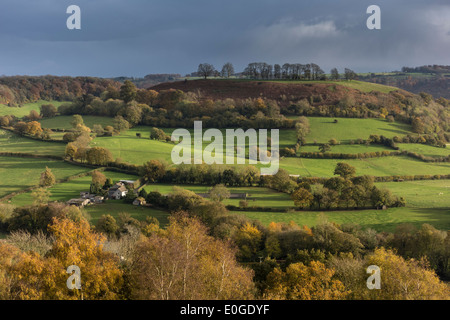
x: 17, y: 90
x: 321, y: 92
x: 438, y: 85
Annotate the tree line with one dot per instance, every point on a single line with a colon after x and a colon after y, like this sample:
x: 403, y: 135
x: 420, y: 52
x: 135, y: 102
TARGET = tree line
x: 265, y: 71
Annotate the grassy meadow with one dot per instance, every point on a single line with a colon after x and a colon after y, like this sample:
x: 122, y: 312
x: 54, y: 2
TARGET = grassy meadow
x: 116, y: 207
x: 21, y: 173
x: 256, y: 197
x: 26, y: 108
x: 379, y: 220
x: 63, y: 122
x: 346, y: 129
x: 11, y: 142
x: 385, y: 166
x: 426, y: 150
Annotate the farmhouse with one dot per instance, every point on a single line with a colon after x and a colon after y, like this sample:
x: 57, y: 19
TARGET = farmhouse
x: 118, y: 191
x: 97, y: 199
x: 92, y: 197
x: 128, y: 182
x: 139, y: 201
x: 80, y: 202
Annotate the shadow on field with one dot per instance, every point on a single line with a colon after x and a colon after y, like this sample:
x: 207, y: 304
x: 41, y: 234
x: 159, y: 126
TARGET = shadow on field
x: 437, y: 217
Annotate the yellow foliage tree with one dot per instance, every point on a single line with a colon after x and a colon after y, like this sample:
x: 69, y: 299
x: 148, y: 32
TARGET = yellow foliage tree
x: 406, y: 279
x: 184, y: 262
x: 248, y: 238
x: 34, y: 277
x: 304, y: 282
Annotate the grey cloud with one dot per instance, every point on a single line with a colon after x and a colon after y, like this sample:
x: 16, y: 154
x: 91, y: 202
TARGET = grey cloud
x: 138, y: 37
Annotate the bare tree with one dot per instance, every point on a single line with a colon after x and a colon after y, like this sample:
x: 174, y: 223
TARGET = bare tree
x: 205, y: 70
x: 227, y: 70
x: 334, y: 74
x: 349, y: 74
x: 277, y: 71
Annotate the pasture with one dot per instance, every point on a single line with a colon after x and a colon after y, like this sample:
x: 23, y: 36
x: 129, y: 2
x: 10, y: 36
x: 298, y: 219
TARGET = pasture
x: 130, y: 148
x: 384, y: 166
x: 11, y: 142
x: 257, y: 197
x: 115, y: 207
x: 426, y: 150
x: 421, y: 193
x: 379, y: 220
x: 346, y: 129
x: 63, y: 122
x: 20, y: 173
x: 26, y: 108
x: 347, y: 148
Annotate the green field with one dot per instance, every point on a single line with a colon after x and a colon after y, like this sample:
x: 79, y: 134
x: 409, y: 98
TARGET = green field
x: 323, y: 129
x: 385, y: 166
x: 348, y: 148
x: 20, y: 173
x: 426, y: 150
x: 26, y: 108
x: 11, y: 142
x: 131, y: 149
x: 71, y: 189
x: 380, y: 220
x: 422, y: 194
x: 257, y: 197
x: 427, y: 201
x: 115, y: 207
x: 63, y: 122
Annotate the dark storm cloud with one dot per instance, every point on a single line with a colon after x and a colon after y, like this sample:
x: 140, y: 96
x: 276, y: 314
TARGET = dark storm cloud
x: 135, y: 37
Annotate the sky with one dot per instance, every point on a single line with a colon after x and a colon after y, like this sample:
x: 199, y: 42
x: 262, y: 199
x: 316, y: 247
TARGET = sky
x: 138, y: 37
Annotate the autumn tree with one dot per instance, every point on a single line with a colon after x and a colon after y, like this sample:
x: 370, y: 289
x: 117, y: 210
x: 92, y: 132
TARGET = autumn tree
x: 77, y: 120
x: 302, y: 128
x: 418, y: 126
x: 184, y: 262
x: 98, y: 130
x: 153, y: 170
x: 219, y: 193
x: 403, y: 279
x: 120, y: 124
x: 47, y: 178
x: 99, y: 156
x: 304, y: 282
x: 41, y: 196
x: 48, y: 110
x: 98, y: 178
x: 128, y: 91
x: 325, y: 147
x: 33, y: 115
x: 36, y: 277
x: 107, y: 225
x: 33, y: 128
x: 344, y: 170
x: 248, y: 238
x: 157, y: 134
x: 302, y: 198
